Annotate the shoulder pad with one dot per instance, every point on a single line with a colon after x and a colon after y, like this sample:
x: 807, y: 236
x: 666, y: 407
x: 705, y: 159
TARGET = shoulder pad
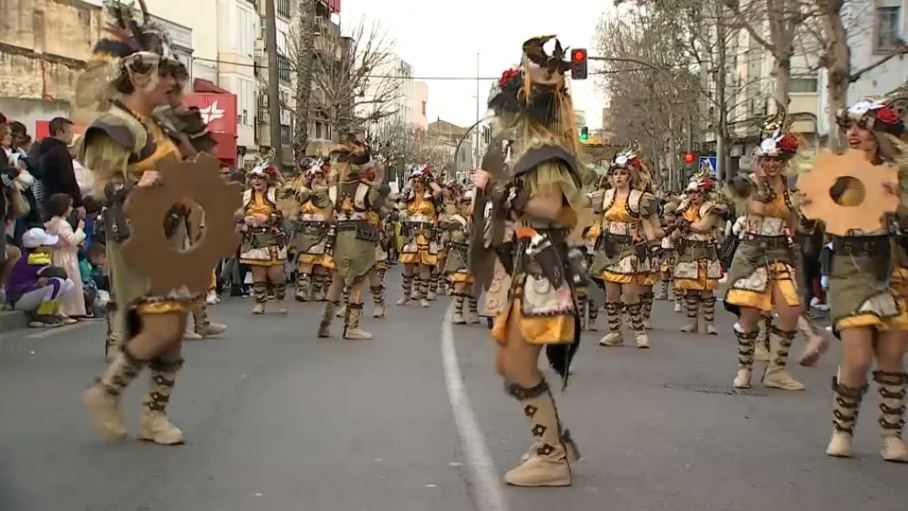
x: 540, y: 155
x: 119, y: 133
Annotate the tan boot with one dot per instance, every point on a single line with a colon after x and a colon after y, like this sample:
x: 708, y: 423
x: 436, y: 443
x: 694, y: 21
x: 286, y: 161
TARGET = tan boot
x: 593, y: 309
x: 408, y: 290
x: 709, y: 315
x: 472, y: 311
x: 640, y: 337
x: 776, y: 376
x: 761, y: 353
x: 569, y: 445
x: 203, y: 327
x: 342, y: 311
x: 260, y: 293
x: 678, y: 306
x: 613, y: 314
x: 352, y: 331
x: 103, y: 398
x: 303, y: 287
x: 324, y: 327
x: 457, y: 318
x: 646, y: 309
x: 319, y: 286
x: 378, y: 300
x: 817, y: 343
x: 662, y: 293
x: 582, y: 308
x: 892, y: 413
x: 692, y: 303
x: 414, y: 294
x: 550, y: 466
x: 746, y: 341
x: 153, y: 423
x: 280, y: 296
x: 846, y: 406
x: 114, y: 339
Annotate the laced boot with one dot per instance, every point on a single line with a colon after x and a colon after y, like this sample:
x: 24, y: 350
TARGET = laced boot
x: 203, y: 326
x: 846, y: 406
x: 260, y: 292
x: 709, y: 315
x: 761, y: 353
x: 423, y: 292
x: 378, y: 300
x: 646, y: 310
x: 473, y: 314
x: 319, y: 286
x: 103, y: 398
x: 352, y: 331
x: 114, y: 338
x: 678, y: 297
x: 582, y: 308
x: 458, y: 317
x: 550, y: 465
x: 746, y: 341
x: 431, y: 287
x: 637, y: 324
x: 776, y: 375
x: 593, y: 308
x: 662, y: 293
x: 414, y: 295
x: 303, y: 287
x: 345, y: 300
x: 280, y: 296
x: 153, y: 423
x: 441, y: 285
x: 407, y: 289
x: 817, y: 343
x: 613, y: 337
x: 692, y: 301
x: 892, y: 413
x: 324, y: 326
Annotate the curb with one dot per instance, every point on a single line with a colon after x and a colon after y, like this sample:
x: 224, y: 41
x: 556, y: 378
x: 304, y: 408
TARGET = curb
x: 12, y: 320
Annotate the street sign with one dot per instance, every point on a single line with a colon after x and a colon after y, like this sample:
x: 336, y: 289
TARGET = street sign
x: 708, y: 164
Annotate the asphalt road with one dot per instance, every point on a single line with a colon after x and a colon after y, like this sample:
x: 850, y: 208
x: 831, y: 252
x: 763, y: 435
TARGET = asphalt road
x: 278, y: 420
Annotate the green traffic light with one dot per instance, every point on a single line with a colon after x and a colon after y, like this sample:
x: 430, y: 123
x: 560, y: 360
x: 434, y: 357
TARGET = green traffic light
x: 584, y: 136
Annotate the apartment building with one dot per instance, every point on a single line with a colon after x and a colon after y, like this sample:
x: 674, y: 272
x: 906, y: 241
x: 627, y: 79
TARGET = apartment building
x: 420, y: 103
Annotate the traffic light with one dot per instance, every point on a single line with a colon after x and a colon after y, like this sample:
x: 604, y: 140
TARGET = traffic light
x: 584, y: 133
x: 578, y: 64
x: 689, y: 158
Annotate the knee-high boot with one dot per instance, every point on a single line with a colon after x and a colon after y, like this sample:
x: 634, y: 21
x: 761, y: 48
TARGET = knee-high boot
x: 440, y: 283
x: 153, y: 424
x: 378, y: 300
x: 432, y: 286
x: 414, y: 295
x: 280, y: 296
x: 324, y: 326
x: 776, y: 374
x: 423, y: 285
x: 646, y: 309
x: 692, y: 301
x: 458, y: 317
x: 202, y: 326
x: 678, y: 297
x: 473, y: 308
x: 593, y: 309
x: 662, y: 293
x: 260, y: 292
x: 746, y: 342
x: 319, y: 286
x: 352, y: 330
x: 549, y: 465
x: 613, y: 313
x: 103, y: 398
x: 761, y: 353
x: 892, y: 414
x: 407, y: 288
x: 634, y: 310
x: 303, y: 287
x: 709, y: 314
x: 845, y: 411
x: 114, y: 339
x: 345, y: 300
x: 582, y: 309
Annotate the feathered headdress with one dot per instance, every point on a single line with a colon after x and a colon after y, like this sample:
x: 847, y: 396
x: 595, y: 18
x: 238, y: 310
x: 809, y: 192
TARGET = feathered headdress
x: 264, y: 168
x: 776, y: 141
x: 886, y: 115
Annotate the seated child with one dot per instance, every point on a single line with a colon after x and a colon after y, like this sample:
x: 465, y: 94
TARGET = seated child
x: 35, y: 286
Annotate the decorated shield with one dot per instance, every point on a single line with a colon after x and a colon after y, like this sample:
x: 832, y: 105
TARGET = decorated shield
x: 487, y: 223
x: 148, y: 248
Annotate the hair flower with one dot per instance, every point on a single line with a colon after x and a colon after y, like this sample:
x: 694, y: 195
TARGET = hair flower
x: 788, y: 143
x: 887, y: 115
x: 507, y: 76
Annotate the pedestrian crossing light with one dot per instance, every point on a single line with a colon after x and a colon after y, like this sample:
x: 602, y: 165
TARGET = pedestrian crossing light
x: 689, y: 158
x: 584, y: 133
x: 578, y: 64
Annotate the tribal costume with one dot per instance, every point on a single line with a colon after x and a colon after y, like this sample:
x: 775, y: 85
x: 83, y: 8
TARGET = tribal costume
x: 264, y: 247
x: 668, y: 255
x: 622, y: 261
x: 456, y: 271
x: 698, y: 270
x: 312, y: 240
x: 419, y: 222
x: 586, y: 295
x: 134, y: 65
x: 542, y: 198
x: 764, y: 265
x: 868, y: 285
x: 357, y: 201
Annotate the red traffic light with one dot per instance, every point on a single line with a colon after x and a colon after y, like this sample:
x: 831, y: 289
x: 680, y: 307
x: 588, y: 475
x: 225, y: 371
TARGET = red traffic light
x: 689, y: 158
x: 579, y: 56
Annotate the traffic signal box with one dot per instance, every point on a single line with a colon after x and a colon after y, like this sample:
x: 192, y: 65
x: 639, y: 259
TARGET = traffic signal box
x: 584, y: 133
x: 579, y: 64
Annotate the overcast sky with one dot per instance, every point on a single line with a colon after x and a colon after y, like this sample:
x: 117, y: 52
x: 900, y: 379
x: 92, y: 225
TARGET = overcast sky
x: 440, y: 38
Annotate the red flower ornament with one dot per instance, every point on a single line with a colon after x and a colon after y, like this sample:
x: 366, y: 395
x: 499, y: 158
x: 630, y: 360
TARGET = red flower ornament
x: 887, y: 116
x: 789, y: 144
x: 506, y: 77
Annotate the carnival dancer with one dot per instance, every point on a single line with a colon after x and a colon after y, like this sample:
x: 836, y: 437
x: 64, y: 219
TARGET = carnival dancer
x: 418, y: 223
x: 356, y: 200
x: 542, y: 199
x: 868, y: 286
x: 312, y: 240
x: 648, y: 280
x: 629, y: 223
x: 668, y: 254
x: 264, y: 247
x: 586, y: 296
x: 698, y: 270
x: 132, y: 71
x: 456, y: 269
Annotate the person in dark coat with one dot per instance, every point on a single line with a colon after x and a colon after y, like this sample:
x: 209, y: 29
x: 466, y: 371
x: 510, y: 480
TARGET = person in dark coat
x: 56, y: 165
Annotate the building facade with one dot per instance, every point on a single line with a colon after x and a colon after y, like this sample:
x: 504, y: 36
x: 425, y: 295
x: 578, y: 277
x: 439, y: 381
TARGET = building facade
x: 420, y: 104
x: 446, y: 136
x: 401, y: 73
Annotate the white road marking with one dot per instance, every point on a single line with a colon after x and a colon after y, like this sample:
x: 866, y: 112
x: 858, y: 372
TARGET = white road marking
x: 485, y: 487
x: 47, y: 332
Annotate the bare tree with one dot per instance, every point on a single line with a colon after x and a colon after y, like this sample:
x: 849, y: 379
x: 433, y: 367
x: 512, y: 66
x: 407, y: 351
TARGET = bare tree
x: 354, y: 85
x: 301, y: 49
x: 401, y: 145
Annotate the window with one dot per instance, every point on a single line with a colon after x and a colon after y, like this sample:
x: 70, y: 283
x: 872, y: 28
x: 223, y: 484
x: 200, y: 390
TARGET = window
x: 887, y: 27
x: 285, y: 135
x: 803, y: 85
x: 424, y: 108
x: 318, y: 129
x: 283, y: 7
x: 283, y: 68
x: 245, y: 32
